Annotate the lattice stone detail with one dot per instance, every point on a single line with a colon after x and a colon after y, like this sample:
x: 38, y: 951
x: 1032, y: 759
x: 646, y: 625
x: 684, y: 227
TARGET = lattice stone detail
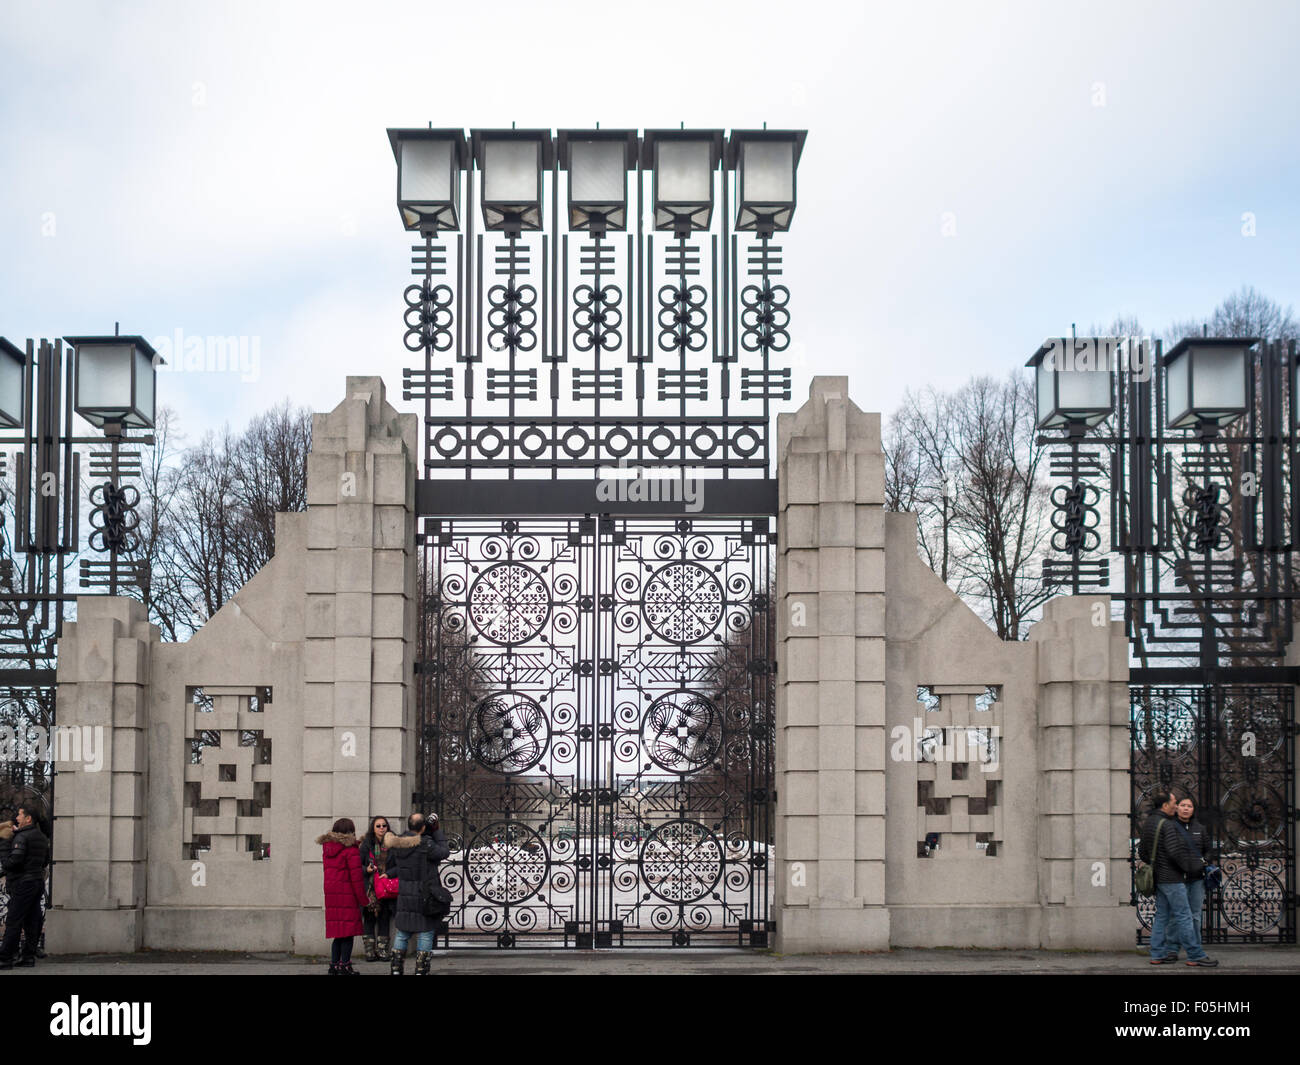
x: 959, y: 772
x: 227, y: 773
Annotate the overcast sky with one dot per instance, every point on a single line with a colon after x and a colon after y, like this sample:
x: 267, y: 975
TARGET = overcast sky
x: 977, y: 175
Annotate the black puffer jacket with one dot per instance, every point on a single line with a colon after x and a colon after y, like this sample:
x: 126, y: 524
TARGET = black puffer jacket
x: 1175, y: 860
x: 414, y: 859
x: 28, y: 856
x: 6, y: 843
x: 1194, y: 834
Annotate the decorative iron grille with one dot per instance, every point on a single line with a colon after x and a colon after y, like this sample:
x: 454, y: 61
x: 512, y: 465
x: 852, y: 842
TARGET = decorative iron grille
x: 597, y: 729
x: 1233, y: 750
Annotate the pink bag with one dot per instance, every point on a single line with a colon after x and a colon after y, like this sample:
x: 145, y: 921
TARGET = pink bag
x: 385, y: 886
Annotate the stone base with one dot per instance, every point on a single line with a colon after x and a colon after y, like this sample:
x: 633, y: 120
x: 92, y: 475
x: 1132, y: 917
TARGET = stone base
x: 988, y: 927
x: 93, y: 931
x: 309, y: 932
x: 827, y: 928
x: 1089, y: 928
x: 219, y: 928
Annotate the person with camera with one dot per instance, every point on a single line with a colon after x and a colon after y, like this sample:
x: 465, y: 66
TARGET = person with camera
x: 422, y: 901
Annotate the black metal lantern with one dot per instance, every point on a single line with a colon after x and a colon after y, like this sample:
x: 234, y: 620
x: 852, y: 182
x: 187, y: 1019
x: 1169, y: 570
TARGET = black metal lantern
x: 429, y: 162
x: 1205, y: 381
x: 765, y: 162
x: 1073, y: 381
x: 683, y: 163
x: 115, y: 379
x: 13, y: 370
x: 512, y: 163
x: 597, y: 162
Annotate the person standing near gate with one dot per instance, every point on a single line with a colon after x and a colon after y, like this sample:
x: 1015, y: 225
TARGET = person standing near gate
x: 1165, y: 848
x: 345, y: 893
x: 378, y: 914
x: 29, y: 854
x: 413, y: 859
x: 1199, y: 841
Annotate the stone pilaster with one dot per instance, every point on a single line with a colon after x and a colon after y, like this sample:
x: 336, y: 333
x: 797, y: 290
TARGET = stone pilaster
x: 101, y: 748
x: 1083, y: 761
x: 359, y: 648
x: 830, y: 701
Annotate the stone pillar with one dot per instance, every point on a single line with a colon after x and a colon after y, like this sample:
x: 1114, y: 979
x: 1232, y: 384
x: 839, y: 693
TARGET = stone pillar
x: 101, y: 786
x: 1083, y: 761
x: 360, y: 637
x: 830, y: 696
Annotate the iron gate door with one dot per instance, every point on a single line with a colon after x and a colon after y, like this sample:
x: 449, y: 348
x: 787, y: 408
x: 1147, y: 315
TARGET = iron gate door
x: 1233, y: 750
x: 597, y: 730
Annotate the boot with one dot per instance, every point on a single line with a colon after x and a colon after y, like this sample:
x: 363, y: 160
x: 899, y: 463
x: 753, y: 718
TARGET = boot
x: 381, y: 946
x: 334, y: 969
x: 347, y: 970
x: 398, y: 967
x: 368, y: 944
x: 422, y: 959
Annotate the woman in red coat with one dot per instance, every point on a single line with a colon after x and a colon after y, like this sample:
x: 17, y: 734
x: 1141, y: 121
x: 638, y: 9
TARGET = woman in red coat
x: 345, y: 893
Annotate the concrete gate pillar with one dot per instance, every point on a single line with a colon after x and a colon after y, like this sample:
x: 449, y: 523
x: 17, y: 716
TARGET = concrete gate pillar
x: 1083, y: 763
x: 830, y: 694
x: 360, y: 626
x: 101, y: 759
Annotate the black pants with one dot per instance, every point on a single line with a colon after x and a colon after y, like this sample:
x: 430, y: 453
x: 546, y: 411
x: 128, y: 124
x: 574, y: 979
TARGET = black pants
x: 378, y: 923
x: 24, y: 918
x: 341, y: 950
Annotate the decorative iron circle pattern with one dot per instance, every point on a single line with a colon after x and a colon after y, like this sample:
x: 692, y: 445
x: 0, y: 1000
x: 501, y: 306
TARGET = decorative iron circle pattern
x: 683, y: 602
x: 764, y: 319
x: 681, y: 861
x: 113, y: 519
x: 506, y: 862
x: 1075, y: 518
x: 428, y: 317
x: 508, y: 603
x: 682, y: 317
x: 1208, y: 517
x: 681, y: 732
x: 597, y: 318
x: 510, y: 733
x: 511, y: 318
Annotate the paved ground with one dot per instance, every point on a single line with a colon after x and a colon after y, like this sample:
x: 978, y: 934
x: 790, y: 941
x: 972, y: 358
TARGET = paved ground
x: 1255, y: 960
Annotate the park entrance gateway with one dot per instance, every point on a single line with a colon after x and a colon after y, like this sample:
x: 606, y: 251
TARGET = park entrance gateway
x: 596, y: 647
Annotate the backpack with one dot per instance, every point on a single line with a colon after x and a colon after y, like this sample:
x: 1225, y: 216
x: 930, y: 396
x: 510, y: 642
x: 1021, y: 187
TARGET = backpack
x: 435, y: 900
x: 1144, y: 878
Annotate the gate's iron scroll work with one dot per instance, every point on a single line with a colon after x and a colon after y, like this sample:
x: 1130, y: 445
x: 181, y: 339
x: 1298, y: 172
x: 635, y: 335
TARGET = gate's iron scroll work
x: 598, y: 729
x: 597, y: 645
x: 1232, y: 749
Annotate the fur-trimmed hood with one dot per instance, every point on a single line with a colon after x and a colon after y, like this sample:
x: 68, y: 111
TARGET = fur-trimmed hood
x: 402, y: 843
x: 343, y: 839
x: 6, y: 830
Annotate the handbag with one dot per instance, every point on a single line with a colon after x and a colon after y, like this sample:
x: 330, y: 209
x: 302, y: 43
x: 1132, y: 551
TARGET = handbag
x: 1144, y: 879
x: 386, y: 887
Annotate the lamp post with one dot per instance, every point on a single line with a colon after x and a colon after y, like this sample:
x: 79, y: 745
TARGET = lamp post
x: 1202, y: 518
x: 110, y: 382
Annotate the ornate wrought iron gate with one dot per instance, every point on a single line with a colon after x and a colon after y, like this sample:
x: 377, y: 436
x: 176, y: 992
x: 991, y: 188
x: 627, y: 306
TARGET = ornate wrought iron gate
x: 1233, y: 750
x: 597, y: 729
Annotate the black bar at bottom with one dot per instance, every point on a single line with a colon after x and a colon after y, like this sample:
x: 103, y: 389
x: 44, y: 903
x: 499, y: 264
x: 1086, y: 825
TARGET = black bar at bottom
x: 27, y: 677
x: 698, y: 497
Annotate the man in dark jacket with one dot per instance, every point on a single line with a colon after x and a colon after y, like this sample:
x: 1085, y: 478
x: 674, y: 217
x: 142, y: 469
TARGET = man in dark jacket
x: 29, y: 853
x: 1174, y: 863
x: 413, y: 859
